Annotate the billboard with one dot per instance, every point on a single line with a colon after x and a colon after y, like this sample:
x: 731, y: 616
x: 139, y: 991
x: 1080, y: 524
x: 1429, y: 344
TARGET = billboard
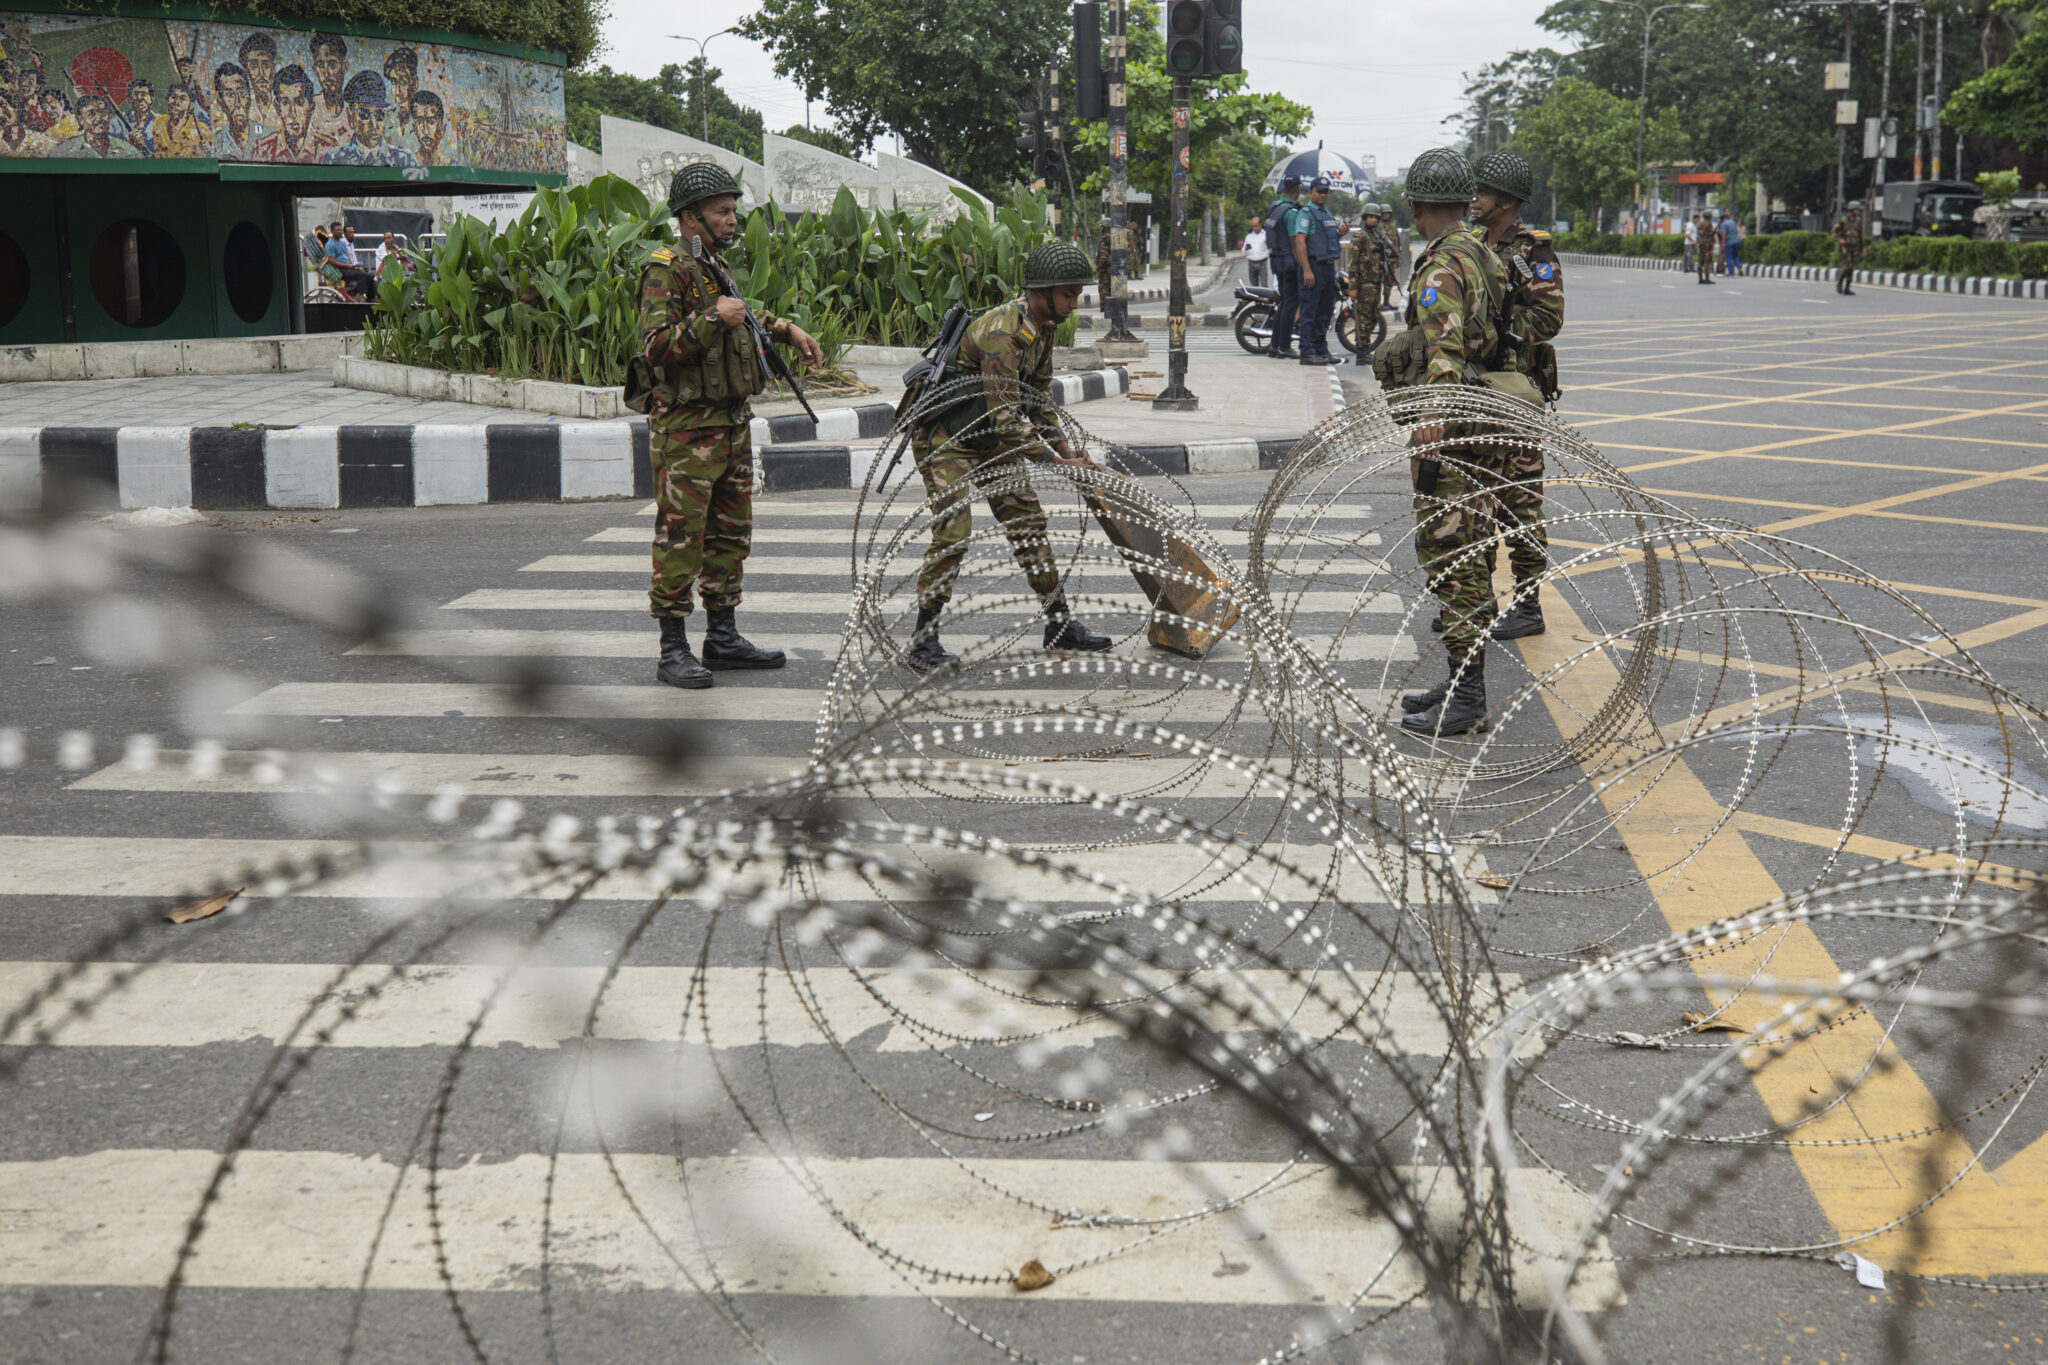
x: 125, y: 89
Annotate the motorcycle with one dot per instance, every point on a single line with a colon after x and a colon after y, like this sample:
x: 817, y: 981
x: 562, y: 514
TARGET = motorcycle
x: 1253, y: 319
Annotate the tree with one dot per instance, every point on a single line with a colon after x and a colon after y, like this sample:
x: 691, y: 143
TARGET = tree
x: 2010, y: 100
x: 668, y: 101
x: 1588, y: 137
x: 824, y: 138
x: 944, y: 75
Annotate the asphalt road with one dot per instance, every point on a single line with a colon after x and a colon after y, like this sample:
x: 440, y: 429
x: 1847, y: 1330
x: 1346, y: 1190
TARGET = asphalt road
x: 1900, y: 434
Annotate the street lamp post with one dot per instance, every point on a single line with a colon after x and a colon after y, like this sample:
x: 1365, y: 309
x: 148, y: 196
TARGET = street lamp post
x: 1643, y: 86
x: 702, y: 107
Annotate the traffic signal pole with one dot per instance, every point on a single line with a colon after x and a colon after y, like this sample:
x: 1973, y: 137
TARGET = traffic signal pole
x: 1176, y: 397
x: 1116, y: 307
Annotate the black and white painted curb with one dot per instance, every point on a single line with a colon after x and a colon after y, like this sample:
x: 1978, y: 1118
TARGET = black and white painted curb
x: 871, y: 421
x: 1981, y: 286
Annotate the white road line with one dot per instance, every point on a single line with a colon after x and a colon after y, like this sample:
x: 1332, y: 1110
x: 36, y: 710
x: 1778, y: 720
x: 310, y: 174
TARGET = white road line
x: 1092, y: 574
x: 197, y: 1004
x: 60, y: 865
x: 808, y: 645
x: 550, y: 776
x: 835, y: 604
x: 300, y: 1220
x: 841, y: 537
x: 768, y: 510
x: 652, y: 701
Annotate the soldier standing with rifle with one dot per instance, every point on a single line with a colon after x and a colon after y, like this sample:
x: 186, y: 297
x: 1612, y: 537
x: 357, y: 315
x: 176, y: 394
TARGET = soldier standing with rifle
x: 1372, y: 271
x: 1848, y: 235
x: 968, y: 435
x: 1535, y: 281
x: 700, y: 361
x: 1454, y: 298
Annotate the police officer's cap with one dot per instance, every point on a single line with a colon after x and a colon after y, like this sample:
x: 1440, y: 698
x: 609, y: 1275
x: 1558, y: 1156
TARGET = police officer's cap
x: 699, y: 180
x: 1321, y: 182
x: 1055, y: 264
x: 1440, y: 176
x: 1508, y: 173
x: 1290, y: 181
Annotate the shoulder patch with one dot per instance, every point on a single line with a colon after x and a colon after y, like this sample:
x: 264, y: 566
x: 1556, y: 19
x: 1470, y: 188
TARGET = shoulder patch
x: 1427, y: 298
x: 1545, y: 270
x: 663, y: 254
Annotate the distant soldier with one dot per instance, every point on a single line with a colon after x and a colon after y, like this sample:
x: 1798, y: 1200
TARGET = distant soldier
x: 986, y: 434
x: 1706, y: 248
x: 1535, y: 283
x: 1371, y: 273
x: 1848, y: 236
x: 699, y: 366
x: 1454, y: 297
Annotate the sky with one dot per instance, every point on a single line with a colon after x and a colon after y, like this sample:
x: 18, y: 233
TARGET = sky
x: 1389, y: 104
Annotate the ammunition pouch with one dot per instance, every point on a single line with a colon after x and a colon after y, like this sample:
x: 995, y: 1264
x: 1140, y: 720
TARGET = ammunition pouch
x: 1515, y: 385
x: 1543, y: 369
x: 639, y: 395
x: 965, y: 420
x: 1402, y: 360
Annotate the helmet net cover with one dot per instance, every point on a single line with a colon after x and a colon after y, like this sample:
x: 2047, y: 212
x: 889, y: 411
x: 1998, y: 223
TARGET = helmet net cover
x: 698, y: 181
x: 1057, y: 263
x: 1508, y: 173
x: 1440, y: 176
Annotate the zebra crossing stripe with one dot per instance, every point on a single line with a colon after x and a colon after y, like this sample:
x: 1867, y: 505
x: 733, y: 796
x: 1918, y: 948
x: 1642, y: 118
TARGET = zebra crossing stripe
x: 803, y: 646
x: 82, y: 865
x: 834, y: 603
x: 305, y: 1220
x: 770, y: 535
x: 199, y: 1004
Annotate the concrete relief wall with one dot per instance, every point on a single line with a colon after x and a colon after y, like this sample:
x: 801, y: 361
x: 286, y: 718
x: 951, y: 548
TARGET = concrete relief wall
x: 917, y: 186
x: 803, y: 177
x: 649, y: 156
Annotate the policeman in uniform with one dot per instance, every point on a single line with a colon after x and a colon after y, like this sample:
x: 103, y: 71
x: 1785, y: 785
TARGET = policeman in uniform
x: 1317, y: 240
x: 1286, y: 274
x: 1455, y: 294
x: 698, y: 359
x: 1535, y: 281
x: 1848, y: 235
x: 987, y: 433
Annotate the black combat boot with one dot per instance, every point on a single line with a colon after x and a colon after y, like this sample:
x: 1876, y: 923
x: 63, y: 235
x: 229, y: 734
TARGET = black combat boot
x: 678, y: 666
x: 1525, y: 617
x: 926, y: 653
x: 1415, y: 703
x: 1462, y: 710
x: 725, y: 647
x: 1062, y: 631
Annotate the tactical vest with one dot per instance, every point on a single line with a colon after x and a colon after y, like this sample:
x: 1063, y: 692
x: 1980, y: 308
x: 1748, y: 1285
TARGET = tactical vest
x: 1276, y: 233
x: 1322, y: 242
x: 725, y: 374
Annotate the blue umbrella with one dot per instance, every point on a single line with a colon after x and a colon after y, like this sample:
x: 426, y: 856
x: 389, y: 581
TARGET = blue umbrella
x: 1344, y: 173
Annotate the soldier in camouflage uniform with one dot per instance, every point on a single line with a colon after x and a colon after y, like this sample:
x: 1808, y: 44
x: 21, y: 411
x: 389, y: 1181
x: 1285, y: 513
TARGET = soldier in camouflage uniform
x: 981, y: 437
x: 1848, y: 235
x: 698, y: 367
x: 1454, y: 297
x: 1371, y: 272
x: 1535, y: 280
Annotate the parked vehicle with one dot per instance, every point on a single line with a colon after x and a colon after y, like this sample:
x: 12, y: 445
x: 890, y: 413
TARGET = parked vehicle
x: 1253, y: 319
x: 1931, y: 208
x: 1783, y: 222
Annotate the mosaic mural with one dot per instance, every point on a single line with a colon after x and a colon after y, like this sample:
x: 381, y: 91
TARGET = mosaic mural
x: 124, y: 88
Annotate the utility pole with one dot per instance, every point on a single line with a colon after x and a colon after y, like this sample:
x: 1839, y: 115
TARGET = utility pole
x: 1884, y: 112
x: 1842, y: 129
x: 1175, y: 397
x: 1934, y: 133
x: 1919, y: 94
x: 1058, y: 155
x: 1117, y: 306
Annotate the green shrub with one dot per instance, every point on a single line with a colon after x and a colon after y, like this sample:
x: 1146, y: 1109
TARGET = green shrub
x: 553, y: 296
x: 1789, y: 248
x: 2032, y: 260
x: 569, y: 27
x: 1659, y: 245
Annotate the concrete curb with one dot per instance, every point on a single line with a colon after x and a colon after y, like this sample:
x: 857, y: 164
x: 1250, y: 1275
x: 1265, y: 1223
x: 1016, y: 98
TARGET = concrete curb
x: 418, y: 466
x: 1980, y: 286
x: 162, y: 359
x: 1158, y: 293
x: 225, y: 468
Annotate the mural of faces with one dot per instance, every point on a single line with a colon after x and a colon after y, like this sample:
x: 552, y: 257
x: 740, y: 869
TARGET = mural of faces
x: 183, y: 89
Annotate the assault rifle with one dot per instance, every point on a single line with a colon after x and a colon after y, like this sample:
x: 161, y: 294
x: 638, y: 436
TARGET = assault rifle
x: 773, y: 366
x: 924, y: 378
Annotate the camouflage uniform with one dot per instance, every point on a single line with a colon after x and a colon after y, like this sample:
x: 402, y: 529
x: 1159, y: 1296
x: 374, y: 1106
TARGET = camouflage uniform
x: 698, y: 436
x: 1848, y: 235
x: 1104, y: 275
x: 1371, y: 272
x: 1008, y: 349
x: 1708, y: 248
x: 1536, y: 315
x: 1454, y: 298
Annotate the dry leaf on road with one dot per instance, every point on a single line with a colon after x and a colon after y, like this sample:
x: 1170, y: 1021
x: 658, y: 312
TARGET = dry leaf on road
x: 203, y: 909
x: 1034, y: 1275
x: 1700, y: 1023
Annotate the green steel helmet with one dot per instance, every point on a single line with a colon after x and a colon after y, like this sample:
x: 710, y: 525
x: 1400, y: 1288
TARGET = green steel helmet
x: 699, y: 180
x: 1508, y: 173
x: 1055, y: 264
x: 1440, y: 176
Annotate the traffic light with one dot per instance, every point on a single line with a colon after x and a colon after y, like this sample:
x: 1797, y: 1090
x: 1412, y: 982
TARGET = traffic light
x: 1034, y: 141
x: 1222, y: 40
x: 1187, y: 26
x: 1091, y: 82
